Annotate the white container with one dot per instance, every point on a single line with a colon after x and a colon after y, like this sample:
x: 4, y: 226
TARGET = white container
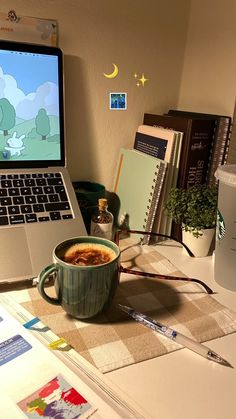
x: 199, y: 246
x: 225, y: 250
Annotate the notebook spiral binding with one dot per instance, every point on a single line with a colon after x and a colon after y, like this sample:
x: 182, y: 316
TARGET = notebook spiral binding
x: 154, y: 199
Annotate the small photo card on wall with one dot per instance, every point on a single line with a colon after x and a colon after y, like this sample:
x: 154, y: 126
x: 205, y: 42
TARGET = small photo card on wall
x: 118, y: 101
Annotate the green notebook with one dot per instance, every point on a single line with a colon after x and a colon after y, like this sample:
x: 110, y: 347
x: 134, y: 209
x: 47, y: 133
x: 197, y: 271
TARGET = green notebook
x: 138, y: 182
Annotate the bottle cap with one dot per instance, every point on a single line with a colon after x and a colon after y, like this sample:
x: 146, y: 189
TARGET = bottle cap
x: 102, y: 202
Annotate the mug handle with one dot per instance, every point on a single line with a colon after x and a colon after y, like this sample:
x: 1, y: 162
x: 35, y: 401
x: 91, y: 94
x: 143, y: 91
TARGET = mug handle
x: 42, y: 278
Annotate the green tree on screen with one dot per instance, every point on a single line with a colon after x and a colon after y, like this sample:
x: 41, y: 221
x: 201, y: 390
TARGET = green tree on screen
x: 7, y: 116
x: 42, y: 123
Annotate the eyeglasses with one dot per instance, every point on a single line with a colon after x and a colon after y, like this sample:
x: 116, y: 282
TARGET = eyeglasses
x: 159, y: 276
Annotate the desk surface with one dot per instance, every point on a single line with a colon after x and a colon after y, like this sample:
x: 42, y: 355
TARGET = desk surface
x: 182, y: 384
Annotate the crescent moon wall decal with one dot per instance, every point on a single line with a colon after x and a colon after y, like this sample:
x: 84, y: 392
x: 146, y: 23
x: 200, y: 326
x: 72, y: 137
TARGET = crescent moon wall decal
x: 113, y: 74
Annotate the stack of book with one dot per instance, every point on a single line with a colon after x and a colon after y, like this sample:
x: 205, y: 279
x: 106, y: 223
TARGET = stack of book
x: 176, y: 149
x: 144, y: 176
x: 219, y: 141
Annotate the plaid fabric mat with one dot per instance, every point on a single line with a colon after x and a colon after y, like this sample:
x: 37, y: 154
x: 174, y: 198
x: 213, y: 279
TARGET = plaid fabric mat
x: 113, y: 340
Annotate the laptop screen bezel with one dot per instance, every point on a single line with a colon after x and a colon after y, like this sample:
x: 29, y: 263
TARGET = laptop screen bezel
x: 49, y: 50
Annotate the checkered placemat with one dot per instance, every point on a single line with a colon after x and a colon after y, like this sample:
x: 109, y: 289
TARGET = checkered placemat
x: 112, y: 341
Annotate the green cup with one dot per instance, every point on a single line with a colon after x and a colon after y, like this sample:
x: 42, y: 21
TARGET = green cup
x: 82, y: 291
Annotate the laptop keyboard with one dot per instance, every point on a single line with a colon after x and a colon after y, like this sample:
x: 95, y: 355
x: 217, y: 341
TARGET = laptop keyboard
x: 33, y: 197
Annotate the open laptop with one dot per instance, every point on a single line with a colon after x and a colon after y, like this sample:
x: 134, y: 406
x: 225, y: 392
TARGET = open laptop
x: 38, y: 206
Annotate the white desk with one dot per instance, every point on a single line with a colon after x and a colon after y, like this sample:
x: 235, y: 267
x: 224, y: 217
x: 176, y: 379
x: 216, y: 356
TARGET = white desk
x: 182, y: 384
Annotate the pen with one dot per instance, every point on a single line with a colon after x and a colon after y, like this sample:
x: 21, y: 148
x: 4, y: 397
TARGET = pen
x: 175, y: 336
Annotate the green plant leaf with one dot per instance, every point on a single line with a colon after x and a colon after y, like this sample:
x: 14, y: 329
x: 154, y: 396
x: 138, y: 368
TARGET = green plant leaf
x: 194, y: 208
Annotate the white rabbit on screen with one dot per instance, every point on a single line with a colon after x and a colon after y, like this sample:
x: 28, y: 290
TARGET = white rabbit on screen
x: 16, y: 145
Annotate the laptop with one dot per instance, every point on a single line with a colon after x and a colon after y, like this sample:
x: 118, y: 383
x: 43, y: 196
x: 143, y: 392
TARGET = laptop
x: 38, y: 205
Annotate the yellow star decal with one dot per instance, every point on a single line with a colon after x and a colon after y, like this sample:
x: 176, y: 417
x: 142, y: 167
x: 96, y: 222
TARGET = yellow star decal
x: 143, y: 80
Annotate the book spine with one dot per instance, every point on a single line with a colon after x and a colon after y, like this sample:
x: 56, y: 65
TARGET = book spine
x: 195, y: 146
x: 155, y: 194
x: 198, y: 152
x: 220, y: 146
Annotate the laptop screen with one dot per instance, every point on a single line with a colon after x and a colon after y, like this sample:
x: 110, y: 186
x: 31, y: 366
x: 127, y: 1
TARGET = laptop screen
x: 31, y: 106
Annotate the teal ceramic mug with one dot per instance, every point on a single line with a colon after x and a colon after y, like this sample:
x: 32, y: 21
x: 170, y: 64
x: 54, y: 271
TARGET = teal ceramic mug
x: 83, y: 291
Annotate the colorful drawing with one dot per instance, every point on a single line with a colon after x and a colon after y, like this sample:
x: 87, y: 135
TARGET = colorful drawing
x: 118, y: 101
x: 57, y: 399
x: 113, y: 74
x: 29, y: 107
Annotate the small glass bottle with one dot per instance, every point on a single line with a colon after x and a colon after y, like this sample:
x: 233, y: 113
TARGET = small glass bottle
x: 102, y: 221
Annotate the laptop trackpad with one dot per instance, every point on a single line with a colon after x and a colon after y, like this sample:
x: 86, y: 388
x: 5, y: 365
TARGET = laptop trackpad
x: 14, y: 254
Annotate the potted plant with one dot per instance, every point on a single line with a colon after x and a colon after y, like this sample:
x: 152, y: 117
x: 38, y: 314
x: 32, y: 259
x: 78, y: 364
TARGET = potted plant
x: 194, y: 209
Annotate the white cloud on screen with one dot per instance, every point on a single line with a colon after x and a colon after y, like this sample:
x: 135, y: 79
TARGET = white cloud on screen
x: 27, y: 106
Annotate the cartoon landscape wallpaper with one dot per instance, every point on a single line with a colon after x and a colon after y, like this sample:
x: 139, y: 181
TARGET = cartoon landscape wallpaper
x: 29, y: 109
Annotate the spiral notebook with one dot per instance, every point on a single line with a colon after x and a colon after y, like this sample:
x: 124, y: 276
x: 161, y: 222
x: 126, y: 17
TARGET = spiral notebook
x: 138, y: 182
x: 165, y: 144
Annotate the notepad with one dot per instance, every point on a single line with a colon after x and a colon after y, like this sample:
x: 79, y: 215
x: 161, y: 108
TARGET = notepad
x: 138, y: 182
x: 165, y: 144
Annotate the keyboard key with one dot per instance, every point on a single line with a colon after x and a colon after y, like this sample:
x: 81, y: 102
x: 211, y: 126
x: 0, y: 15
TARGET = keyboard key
x: 31, y: 218
x: 42, y: 198
x: 3, y: 211
x: 13, y: 210
x: 31, y: 199
x: 18, y: 200
x: 48, y: 190
x: 17, y: 219
x: 37, y: 190
x: 12, y: 176
x: 13, y: 191
x: 26, y: 209
x: 3, y: 192
x: 63, y: 196
x: 38, y: 208
x: 53, y: 198
x: 60, y: 189
x: 25, y: 191
x: 45, y: 218
x: 67, y: 216
x: 30, y: 182
x: 6, y: 183
x: 57, y: 206
x: 55, y: 215
x: 5, y: 201
x: 18, y: 183
x: 54, y: 181
x: 41, y: 182
x: 4, y: 221
x: 25, y: 176
x: 47, y: 175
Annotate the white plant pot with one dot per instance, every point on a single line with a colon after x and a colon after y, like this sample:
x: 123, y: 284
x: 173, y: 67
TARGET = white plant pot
x: 199, y: 246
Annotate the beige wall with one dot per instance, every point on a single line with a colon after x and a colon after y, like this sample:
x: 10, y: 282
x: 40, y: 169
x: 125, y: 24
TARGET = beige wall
x: 143, y: 37
x: 209, y: 73
x: 138, y: 36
